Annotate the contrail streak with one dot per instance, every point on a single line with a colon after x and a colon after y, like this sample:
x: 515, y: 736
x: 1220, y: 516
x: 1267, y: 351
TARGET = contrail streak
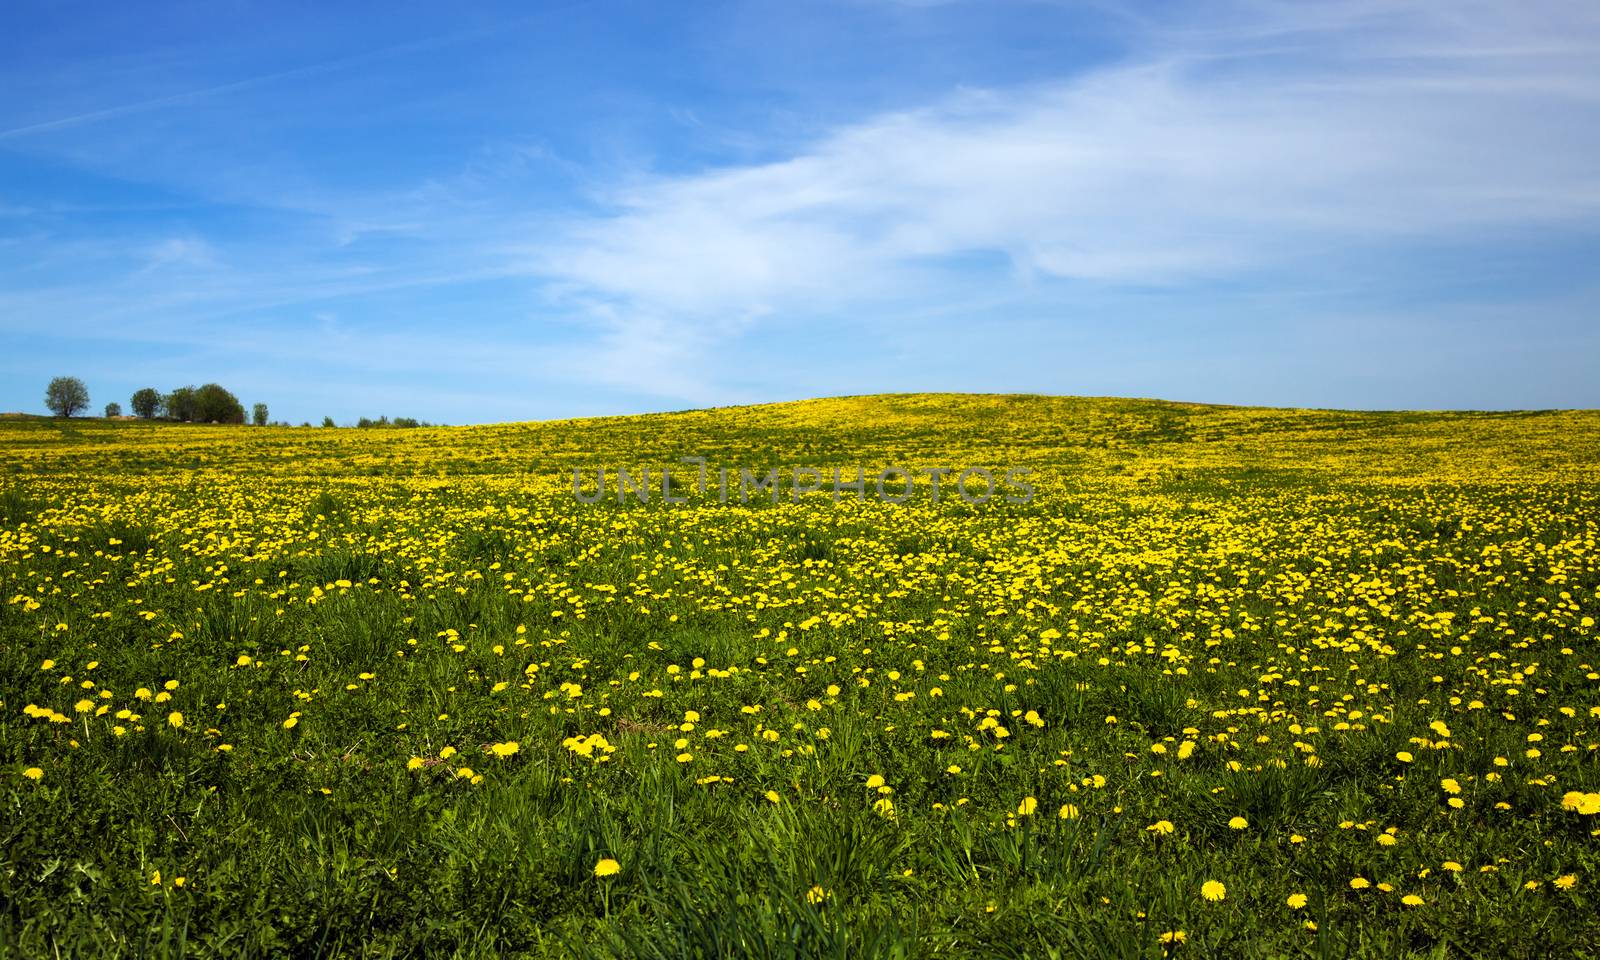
x: 245, y: 84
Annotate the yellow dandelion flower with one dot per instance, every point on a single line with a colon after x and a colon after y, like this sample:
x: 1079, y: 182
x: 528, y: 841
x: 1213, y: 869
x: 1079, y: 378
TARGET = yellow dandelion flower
x: 1584, y: 804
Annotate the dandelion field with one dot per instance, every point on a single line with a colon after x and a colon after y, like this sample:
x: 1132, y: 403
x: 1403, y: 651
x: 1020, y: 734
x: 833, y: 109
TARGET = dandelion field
x: 1236, y: 682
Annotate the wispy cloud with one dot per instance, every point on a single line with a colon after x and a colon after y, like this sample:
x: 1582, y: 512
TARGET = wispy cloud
x: 179, y: 252
x: 1270, y: 132
x: 215, y: 90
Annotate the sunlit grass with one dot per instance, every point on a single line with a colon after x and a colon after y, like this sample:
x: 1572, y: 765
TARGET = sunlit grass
x: 1235, y: 683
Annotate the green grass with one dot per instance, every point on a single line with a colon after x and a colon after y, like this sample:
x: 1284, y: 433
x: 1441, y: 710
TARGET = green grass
x: 1171, y: 560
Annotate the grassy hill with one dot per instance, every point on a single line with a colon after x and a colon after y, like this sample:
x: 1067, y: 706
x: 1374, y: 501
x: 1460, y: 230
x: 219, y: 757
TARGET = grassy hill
x: 1232, y: 682
x: 1097, y: 436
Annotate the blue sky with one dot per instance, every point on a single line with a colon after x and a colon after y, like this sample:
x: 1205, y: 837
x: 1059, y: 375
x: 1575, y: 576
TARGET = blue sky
x: 485, y: 212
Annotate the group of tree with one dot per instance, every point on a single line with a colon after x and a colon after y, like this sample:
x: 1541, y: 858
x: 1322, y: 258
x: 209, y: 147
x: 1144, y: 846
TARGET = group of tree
x: 382, y: 423
x: 211, y: 403
x: 367, y: 423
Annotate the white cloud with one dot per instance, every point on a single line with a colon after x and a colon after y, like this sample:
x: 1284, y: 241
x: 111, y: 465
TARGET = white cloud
x: 189, y: 252
x: 1272, y: 132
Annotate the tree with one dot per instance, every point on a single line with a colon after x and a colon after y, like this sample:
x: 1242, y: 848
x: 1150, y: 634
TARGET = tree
x: 113, y: 409
x: 259, y: 414
x: 180, y: 404
x: 146, y: 403
x: 215, y: 404
x: 328, y: 422
x: 66, y: 396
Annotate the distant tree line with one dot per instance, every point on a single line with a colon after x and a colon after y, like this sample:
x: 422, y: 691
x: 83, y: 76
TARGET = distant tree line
x: 382, y: 423
x: 367, y: 423
x: 211, y: 403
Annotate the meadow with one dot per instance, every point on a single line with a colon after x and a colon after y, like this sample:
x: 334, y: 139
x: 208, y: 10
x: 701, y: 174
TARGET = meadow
x: 1235, y: 683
